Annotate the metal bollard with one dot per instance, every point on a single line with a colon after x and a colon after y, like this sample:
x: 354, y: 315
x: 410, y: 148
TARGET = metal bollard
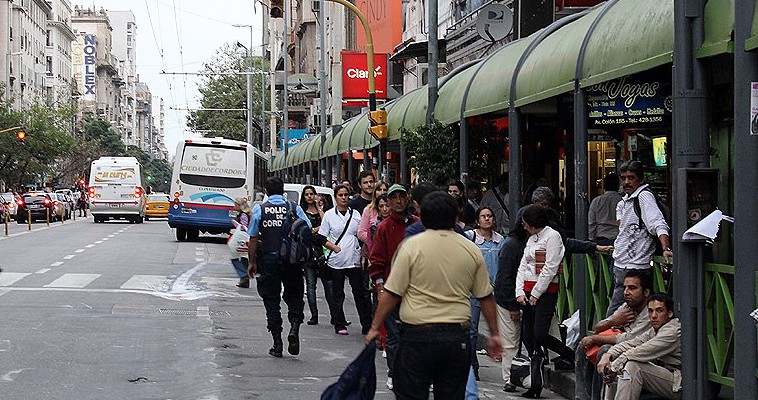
x: 63, y: 216
x: 29, y: 219
x: 6, y: 224
x: 48, y: 216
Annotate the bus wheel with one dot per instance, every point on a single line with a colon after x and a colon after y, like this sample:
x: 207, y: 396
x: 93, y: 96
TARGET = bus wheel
x: 181, y: 235
x: 193, y: 234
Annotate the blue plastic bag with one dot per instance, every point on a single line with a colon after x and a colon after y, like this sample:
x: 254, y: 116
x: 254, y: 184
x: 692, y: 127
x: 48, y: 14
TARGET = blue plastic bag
x: 358, y: 381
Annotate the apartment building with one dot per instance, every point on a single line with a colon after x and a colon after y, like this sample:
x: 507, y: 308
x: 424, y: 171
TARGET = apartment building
x: 125, y: 49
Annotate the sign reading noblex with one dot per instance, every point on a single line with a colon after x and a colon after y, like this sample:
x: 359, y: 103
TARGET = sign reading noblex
x: 640, y: 99
x: 84, y: 51
x: 355, y: 75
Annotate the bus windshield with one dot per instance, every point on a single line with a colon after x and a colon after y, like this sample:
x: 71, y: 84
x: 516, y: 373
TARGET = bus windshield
x: 214, y: 166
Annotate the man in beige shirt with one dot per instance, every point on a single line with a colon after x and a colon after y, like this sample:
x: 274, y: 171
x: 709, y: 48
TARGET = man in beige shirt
x: 651, y: 361
x: 434, y: 274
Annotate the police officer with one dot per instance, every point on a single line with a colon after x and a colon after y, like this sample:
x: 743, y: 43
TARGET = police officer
x: 266, y: 230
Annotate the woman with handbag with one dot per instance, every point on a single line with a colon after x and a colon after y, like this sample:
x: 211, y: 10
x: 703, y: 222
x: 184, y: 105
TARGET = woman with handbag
x: 537, y: 291
x: 241, y: 222
x: 340, y: 228
x: 313, y: 206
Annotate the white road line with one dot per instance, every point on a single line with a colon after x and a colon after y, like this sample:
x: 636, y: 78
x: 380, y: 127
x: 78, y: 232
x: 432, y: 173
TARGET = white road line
x: 203, y: 311
x: 68, y: 257
x: 110, y: 236
x: 98, y: 242
x: 104, y: 239
x: 9, y: 278
x: 79, y: 251
x: 199, y: 253
x: 145, y: 282
x: 2, y: 292
x: 197, y: 259
x: 73, y: 280
x: 42, y: 271
x: 89, y: 246
x: 56, y: 264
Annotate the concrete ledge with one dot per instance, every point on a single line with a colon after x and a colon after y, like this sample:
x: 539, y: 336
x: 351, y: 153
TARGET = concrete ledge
x: 562, y: 383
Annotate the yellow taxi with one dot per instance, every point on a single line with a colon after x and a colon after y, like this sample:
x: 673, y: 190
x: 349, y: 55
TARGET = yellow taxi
x: 157, y: 206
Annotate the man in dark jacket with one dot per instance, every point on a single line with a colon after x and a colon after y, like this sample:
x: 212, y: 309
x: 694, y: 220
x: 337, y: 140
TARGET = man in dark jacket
x: 387, y: 238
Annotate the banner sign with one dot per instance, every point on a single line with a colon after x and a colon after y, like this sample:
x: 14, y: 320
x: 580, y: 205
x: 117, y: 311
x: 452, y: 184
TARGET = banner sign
x: 640, y: 99
x: 355, y: 75
x: 384, y: 18
x: 84, y: 51
x: 295, y: 136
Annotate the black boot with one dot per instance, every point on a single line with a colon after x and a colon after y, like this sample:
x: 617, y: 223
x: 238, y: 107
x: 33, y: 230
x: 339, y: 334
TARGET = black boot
x: 294, y: 339
x: 276, y: 349
x: 536, y: 374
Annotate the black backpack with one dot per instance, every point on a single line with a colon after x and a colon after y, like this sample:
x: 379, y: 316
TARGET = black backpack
x: 297, y: 240
x: 664, y: 210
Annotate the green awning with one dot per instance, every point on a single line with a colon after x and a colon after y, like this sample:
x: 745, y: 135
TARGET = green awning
x: 448, y: 107
x: 396, y: 115
x: 343, y: 138
x: 276, y: 162
x: 718, y: 23
x: 634, y: 36
x: 359, y: 138
x: 330, y: 147
x: 314, y: 152
x: 491, y: 87
x: 752, y: 42
x: 415, y: 115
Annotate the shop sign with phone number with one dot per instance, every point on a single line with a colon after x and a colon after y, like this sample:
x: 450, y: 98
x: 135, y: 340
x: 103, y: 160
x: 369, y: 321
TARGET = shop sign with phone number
x: 630, y: 100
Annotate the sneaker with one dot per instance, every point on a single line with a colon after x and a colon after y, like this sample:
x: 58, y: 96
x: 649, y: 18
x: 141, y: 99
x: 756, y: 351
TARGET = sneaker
x: 313, y: 320
x: 340, y: 330
x: 509, y: 388
x: 390, y: 385
x: 384, y: 353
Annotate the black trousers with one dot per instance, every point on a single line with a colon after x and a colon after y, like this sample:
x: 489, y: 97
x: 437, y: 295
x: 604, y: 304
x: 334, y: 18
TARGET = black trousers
x: 432, y: 354
x: 274, y: 275
x: 537, y: 321
x: 361, y: 296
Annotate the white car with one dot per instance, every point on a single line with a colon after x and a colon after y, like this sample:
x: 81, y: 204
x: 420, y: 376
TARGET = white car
x: 293, y: 191
x: 8, y: 206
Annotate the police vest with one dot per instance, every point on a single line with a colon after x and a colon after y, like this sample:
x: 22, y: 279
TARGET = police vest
x: 272, y: 226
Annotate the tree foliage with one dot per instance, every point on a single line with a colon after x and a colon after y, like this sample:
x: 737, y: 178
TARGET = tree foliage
x: 435, y: 152
x: 221, y: 88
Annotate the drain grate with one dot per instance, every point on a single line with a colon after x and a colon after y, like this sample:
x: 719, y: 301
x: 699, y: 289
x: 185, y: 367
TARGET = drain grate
x: 194, y: 313
x: 219, y: 313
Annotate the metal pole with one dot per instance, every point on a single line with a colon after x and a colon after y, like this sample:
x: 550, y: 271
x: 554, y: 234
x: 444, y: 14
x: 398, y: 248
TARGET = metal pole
x: 322, y: 88
x: 250, y: 92
x: 285, y: 57
x: 514, y: 161
x: 745, y: 209
x: 273, y: 132
x: 432, y: 57
x: 690, y: 149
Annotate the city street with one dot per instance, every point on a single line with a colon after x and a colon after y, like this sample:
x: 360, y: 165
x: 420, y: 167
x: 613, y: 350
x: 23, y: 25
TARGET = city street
x: 115, y: 310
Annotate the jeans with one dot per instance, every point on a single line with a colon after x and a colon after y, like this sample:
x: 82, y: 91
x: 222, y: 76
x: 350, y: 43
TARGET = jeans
x: 310, y: 289
x: 360, y: 295
x: 476, y: 310
x: 537, y: 320
x: 618, y: 289
x: 240, y: 266
x: 273, y: 276
x: 432, y: 354
x: 392, y: 326
x: 472, y: 387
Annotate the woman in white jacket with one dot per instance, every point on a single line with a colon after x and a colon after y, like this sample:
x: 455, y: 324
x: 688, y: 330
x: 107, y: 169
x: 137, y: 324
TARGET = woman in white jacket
x: 537, y: 291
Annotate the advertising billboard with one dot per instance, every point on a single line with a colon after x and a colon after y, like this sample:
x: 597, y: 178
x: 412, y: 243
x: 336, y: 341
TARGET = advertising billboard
x: 385, y: 18
x: 355, y: 75
x: 84, y: 59
x: 633, y: 100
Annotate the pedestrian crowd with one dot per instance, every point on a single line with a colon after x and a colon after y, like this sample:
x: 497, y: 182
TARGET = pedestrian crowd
x: 423, y: 266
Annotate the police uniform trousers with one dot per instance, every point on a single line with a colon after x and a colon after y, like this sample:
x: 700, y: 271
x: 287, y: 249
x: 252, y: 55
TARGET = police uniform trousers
x: 273, y: 275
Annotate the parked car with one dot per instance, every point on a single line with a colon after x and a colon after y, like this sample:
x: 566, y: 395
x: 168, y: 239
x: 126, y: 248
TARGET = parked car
x: 39, y: 204
x: 69, y: 196
x: 8, y: 206
x: 157, y: 206
x: 62, y: 205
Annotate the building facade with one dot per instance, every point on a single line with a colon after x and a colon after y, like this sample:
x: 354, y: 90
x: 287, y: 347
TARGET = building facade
x: 59, y: 74
x: 125, y: 49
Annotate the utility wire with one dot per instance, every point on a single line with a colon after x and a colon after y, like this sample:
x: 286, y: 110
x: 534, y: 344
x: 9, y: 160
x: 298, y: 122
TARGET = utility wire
x: 160, y: 47
x: 181, y: 51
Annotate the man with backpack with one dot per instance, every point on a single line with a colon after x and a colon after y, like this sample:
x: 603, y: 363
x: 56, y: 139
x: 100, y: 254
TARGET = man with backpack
x: 641, y: 223
x: 273, y: 228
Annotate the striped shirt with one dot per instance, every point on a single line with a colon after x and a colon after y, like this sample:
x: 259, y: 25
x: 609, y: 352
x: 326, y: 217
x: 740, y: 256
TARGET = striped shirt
x: 634, y: 246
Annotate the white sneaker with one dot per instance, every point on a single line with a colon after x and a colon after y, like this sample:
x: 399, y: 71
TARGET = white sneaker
x: 389, y: 383
x: 384, y: 353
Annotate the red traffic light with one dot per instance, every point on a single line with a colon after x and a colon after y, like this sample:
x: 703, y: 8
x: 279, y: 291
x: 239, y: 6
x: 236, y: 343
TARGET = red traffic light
x: 21, y: 135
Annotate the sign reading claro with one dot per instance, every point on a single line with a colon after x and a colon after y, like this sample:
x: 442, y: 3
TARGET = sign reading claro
x: 355, y: 75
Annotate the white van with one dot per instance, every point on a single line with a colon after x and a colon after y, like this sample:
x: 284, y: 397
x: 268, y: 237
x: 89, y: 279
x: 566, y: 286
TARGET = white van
x: 293, y: 192
x: 116, y: 189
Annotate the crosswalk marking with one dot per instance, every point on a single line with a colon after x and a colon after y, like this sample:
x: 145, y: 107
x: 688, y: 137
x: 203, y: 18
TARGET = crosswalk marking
x: 73, y: 280
x: 145, y: 282
x: 9, y: 278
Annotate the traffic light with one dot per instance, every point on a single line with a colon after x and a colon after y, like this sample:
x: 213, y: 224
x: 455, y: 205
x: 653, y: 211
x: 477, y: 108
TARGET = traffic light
x: 276, y: 8
x: 21, y: 135
x: 149, y: 178
x: 378, y: 120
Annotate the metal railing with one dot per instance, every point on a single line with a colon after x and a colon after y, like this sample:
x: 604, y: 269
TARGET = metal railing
x: 719, y: 302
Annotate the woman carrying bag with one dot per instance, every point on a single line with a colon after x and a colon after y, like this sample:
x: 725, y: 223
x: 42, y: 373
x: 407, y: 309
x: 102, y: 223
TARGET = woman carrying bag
x: 313, y: 206
x: 241, y: 222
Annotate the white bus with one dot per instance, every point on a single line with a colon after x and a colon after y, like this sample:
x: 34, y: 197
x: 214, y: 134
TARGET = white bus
x: 115, y: 189
x: 209, y: 173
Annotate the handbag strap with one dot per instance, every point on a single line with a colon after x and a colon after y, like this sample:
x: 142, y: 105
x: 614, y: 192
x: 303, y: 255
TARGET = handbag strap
x: 500, y: 200
x: 347, y: 224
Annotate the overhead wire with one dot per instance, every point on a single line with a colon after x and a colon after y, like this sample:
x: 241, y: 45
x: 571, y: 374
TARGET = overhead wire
x: 181, y: 51
x: 160, y: 47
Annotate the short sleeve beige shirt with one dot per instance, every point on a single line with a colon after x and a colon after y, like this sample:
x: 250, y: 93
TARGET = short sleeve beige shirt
x: 436, y: 272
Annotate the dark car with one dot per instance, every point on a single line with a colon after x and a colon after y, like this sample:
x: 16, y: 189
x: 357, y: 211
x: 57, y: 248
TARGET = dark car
x: 39, y: 203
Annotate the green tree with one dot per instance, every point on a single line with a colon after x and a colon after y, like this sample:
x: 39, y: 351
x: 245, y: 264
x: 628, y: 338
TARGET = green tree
x: 157, y: 172
x: 222, y: 88
x: 435, y: 152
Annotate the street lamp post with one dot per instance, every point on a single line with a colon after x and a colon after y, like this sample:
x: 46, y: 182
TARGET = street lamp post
x: 249, y: 85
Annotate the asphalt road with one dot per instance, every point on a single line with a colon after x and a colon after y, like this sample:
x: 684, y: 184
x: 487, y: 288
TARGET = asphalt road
x: 124, y: 311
